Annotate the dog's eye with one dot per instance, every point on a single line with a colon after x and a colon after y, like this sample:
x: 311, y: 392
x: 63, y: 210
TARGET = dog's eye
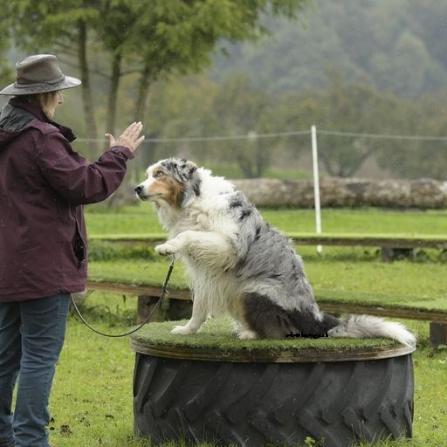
x: 157, y: 174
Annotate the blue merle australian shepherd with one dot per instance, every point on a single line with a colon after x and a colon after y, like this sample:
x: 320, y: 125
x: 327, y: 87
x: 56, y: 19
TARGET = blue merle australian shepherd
x: 238, y: 264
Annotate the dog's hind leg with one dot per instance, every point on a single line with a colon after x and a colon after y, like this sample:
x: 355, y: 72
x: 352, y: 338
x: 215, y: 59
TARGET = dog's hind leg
x: 269, y: 320
x: 210, y: 248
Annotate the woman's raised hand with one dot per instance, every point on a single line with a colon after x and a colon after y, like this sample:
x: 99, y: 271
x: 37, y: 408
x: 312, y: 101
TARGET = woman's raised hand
x: 130, y: 138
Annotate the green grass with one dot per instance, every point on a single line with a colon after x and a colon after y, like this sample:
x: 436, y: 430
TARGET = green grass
x: 218, y: 335
x: 91, y: 404
x: 359, y: 280
x: 351, y: 274
x: 92, y: 400
x: 92, y: 395
x: 141, y: 219
x: 421, y: 285
x: 137, y: 272
x: 362, y: 221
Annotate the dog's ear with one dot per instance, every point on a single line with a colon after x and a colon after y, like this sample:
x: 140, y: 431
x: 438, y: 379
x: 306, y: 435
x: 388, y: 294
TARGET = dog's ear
x: 187, y: 168
x: 192, y: 183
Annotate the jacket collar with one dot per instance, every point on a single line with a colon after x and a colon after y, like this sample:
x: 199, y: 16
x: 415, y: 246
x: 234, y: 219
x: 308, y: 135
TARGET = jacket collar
x: 38, y: 113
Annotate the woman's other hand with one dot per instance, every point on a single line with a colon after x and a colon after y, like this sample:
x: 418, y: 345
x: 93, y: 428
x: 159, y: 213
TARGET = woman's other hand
x: 130, y: 138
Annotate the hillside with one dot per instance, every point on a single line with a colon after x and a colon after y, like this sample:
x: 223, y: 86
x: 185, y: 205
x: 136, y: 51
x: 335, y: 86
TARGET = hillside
x: 393, y: 45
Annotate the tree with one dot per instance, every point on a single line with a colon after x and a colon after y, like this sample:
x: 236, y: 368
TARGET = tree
x: 394, y: 45
x: 5, y: 69
x: 418, y: 157
x: 63, y: 27
x: 239, y: 109
x: 172, y: 36
x: 354, y: 108
x: 152, y: 37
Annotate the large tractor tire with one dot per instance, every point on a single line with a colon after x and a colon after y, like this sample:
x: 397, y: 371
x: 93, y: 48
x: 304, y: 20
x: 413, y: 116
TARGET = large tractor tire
x: 331, y: 397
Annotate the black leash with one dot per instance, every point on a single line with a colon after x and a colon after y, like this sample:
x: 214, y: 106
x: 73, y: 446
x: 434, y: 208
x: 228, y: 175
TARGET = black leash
x: 154, y: 308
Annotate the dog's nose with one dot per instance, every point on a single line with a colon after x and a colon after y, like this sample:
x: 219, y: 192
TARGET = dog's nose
x: 138, y: 189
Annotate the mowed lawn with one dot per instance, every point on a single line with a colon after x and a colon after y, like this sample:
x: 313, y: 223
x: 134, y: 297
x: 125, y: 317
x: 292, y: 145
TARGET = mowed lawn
x: 92, y: 400
x: 141, y: 218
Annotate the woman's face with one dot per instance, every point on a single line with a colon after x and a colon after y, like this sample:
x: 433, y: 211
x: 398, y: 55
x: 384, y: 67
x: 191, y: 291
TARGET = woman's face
x: 53, y: 102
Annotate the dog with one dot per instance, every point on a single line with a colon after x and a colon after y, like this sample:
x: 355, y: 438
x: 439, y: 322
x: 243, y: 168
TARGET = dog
x: 238, y: 264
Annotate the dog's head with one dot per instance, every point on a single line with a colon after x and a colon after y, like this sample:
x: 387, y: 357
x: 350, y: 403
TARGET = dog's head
x: 172, y: 181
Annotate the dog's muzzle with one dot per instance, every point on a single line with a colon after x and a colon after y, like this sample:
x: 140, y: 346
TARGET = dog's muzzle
x: 139, y: 191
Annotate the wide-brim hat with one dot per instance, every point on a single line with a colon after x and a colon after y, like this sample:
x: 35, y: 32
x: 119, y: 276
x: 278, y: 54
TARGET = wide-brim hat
x: 39, y: 73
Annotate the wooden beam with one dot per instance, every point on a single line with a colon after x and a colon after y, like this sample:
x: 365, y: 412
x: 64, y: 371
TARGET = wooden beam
x: 371, y: 242
x: 328, y: 306
x: 392, y: 241
x: 178, y: 294
x: 383, y: 311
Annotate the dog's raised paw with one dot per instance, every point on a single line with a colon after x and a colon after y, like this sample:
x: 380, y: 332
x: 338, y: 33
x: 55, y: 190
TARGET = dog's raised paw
x: 181, y: 330
x: 166, y: 249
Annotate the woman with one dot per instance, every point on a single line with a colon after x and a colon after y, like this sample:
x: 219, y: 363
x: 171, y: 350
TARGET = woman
x: 43, y: 259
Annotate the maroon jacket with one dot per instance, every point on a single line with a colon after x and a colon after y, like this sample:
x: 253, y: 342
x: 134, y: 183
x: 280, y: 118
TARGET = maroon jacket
x: 43, y: 185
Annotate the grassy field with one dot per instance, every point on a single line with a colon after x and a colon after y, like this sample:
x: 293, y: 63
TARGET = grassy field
x: 92, y: 400
x: 419, y: 285
x: 142, y: 219
x: 354, y: 274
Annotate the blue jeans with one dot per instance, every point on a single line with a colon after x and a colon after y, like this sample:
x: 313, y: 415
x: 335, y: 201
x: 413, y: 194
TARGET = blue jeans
x: 31, y: 338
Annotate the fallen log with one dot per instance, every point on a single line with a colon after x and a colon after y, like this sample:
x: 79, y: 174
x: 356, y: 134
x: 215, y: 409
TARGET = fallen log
x: 341, y: 192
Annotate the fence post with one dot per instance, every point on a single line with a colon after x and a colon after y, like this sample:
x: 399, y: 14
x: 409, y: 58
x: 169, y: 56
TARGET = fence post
x: 316, y: 185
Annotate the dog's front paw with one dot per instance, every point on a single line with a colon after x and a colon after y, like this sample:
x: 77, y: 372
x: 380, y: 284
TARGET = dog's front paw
x: 182, y: 330
x: 247, y: 335
x: 168, y: 248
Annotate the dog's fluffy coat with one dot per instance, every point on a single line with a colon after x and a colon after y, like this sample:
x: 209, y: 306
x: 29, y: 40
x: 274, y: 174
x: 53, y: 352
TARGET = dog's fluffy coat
x: 238, y: 264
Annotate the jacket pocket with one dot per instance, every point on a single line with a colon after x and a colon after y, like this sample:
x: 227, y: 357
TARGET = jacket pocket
x: 79, y: 245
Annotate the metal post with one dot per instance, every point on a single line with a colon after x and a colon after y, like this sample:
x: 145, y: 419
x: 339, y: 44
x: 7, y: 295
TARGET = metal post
x: 316, y: 185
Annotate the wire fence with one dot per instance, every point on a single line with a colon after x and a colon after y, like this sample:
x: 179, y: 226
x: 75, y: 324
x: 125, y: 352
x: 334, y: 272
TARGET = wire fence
x: 308, y: 154
x: 288, y: 155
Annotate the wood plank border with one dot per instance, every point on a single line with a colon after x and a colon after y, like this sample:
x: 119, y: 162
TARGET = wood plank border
x: 383, y: 311
x: 393, y: 241
x: 178, y: 294
x: 372, y: 242
x: 326, y: 305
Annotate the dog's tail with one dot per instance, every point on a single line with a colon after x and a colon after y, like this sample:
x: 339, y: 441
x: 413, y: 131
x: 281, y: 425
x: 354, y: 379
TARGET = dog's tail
x: 363, y: 326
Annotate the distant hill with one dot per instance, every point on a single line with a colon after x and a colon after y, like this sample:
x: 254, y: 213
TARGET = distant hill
x: 393, y: 45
